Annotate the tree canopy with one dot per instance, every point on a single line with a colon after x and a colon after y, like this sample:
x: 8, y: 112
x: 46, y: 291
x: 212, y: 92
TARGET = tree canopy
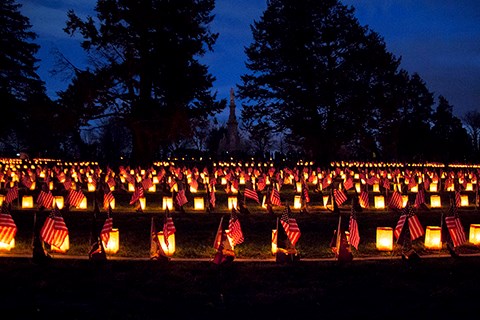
x: 145, y: 68
x: 330, y: 85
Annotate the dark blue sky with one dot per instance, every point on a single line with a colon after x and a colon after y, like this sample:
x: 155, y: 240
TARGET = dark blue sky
x: 438, y: 39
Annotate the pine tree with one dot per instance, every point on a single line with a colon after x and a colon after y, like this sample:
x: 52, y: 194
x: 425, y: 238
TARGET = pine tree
x: 146, y: 68
x: 317, y: 74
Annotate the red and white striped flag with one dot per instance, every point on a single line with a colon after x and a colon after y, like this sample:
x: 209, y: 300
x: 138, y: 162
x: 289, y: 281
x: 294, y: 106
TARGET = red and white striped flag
x: 275, y: 197
x: 419, y: 198
x: 181, y: 198
x: 396, y: 201
x: 250, y: 193
x: 363, y: 199
x: 290, y: 226
x: 12, y: 194
x: 75, y: 197
x: 8, y: 228
x: 106, y: 229
x: 399, y: 226
x: 107, y: 199
x: 234, y: 229
x: 455, y: 228
x: 340, y: 197
x: 54, y: 230
x: 45, y: 199
x: 168, y: 226
x: 137, y: 194
x: 353, y: 229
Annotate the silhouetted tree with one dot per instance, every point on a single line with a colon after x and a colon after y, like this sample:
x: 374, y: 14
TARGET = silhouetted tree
x: 449, y: 139
x: 146, y: 70
x: 317, y: 75
x: 28, y: 115
x: 415, y: 118
x: 471, y: 119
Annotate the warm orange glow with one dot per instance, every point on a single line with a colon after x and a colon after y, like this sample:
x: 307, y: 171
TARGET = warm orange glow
x: 198, y: 203
x: 232, y: 203
x: 167, y: 202
x: 379, y: 202
x: 91, y: 187
x: 297, y: 202
x: 64, y: 247
x: 325, y: 201
x: 7, y: 246
x: 170, y: 249
x: 469, y: 186
x: 464, y: 200
x: 474, y: 236
x: 58, y: 200
x: 274, y: 241
x: 433, y: 187
x: 298, y: 186
x: 83, y: 203
x: 153, y: 188
x: 143, y: 203
x: 27, y: 202
x: 404, y: 200
x: 433, y: 238
x: 384, y: 238
x: 376, y: 187
x: 2, y: 198
x: 435, y: 201
x: 113, y: 244
x: 131, y: 187
x: 358, y: 187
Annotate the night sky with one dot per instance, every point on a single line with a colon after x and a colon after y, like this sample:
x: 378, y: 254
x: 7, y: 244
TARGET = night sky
x: 438, y: 39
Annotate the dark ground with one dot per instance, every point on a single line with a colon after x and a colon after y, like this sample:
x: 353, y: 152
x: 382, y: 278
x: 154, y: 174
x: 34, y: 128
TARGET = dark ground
x: 142, y: 289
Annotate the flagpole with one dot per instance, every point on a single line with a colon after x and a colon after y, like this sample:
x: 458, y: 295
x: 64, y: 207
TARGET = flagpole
x: 34, y: 226
x: 219, y: 230
x: 337, y: 244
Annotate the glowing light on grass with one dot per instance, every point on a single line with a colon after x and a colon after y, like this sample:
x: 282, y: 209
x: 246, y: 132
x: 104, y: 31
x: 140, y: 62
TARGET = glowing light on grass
x: 433, y: 238
x: 384, y: 238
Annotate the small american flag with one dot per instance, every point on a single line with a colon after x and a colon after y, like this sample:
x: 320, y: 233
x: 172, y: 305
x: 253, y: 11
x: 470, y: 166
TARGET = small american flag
x: 340, y: 197
x: 399, y: 226
x: 275, y: 197
x: 250, y: 193
x: 168, y: 226
x: 106, y: 229
x: 147, y: 183
x: 455, y: 228
x: 45, y: 199
x: 12, y: 194
x: 416, y: 229
x: 290, y: 226
x: 137, y: 194
x: 353, y: 229
x: 363, y: 199
x: 234, y: 228
x: 107, y: 199
x: 212, y: 198
x: 181, y: 198
x: 75, y: 197
x: 8, y: 228
x: 419, y: 198
x: 54, y: 230
x: 348, y: 183
x: 305, y: 194
x: 396, y: 201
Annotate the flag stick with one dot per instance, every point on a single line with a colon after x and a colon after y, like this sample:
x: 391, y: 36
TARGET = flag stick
x: 337, y: 245
x: 219, y: 230
x: 34, y: 226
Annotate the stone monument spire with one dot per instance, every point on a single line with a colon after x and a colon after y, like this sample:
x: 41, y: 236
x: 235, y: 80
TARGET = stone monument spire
x: 231, y: 141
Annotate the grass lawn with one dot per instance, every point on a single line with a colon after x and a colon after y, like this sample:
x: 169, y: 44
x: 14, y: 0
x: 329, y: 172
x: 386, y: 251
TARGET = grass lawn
x: 121, y: 289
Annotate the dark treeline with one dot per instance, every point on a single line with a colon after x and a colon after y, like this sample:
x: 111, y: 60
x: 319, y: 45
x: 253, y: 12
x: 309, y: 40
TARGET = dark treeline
x: 319, y: 85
